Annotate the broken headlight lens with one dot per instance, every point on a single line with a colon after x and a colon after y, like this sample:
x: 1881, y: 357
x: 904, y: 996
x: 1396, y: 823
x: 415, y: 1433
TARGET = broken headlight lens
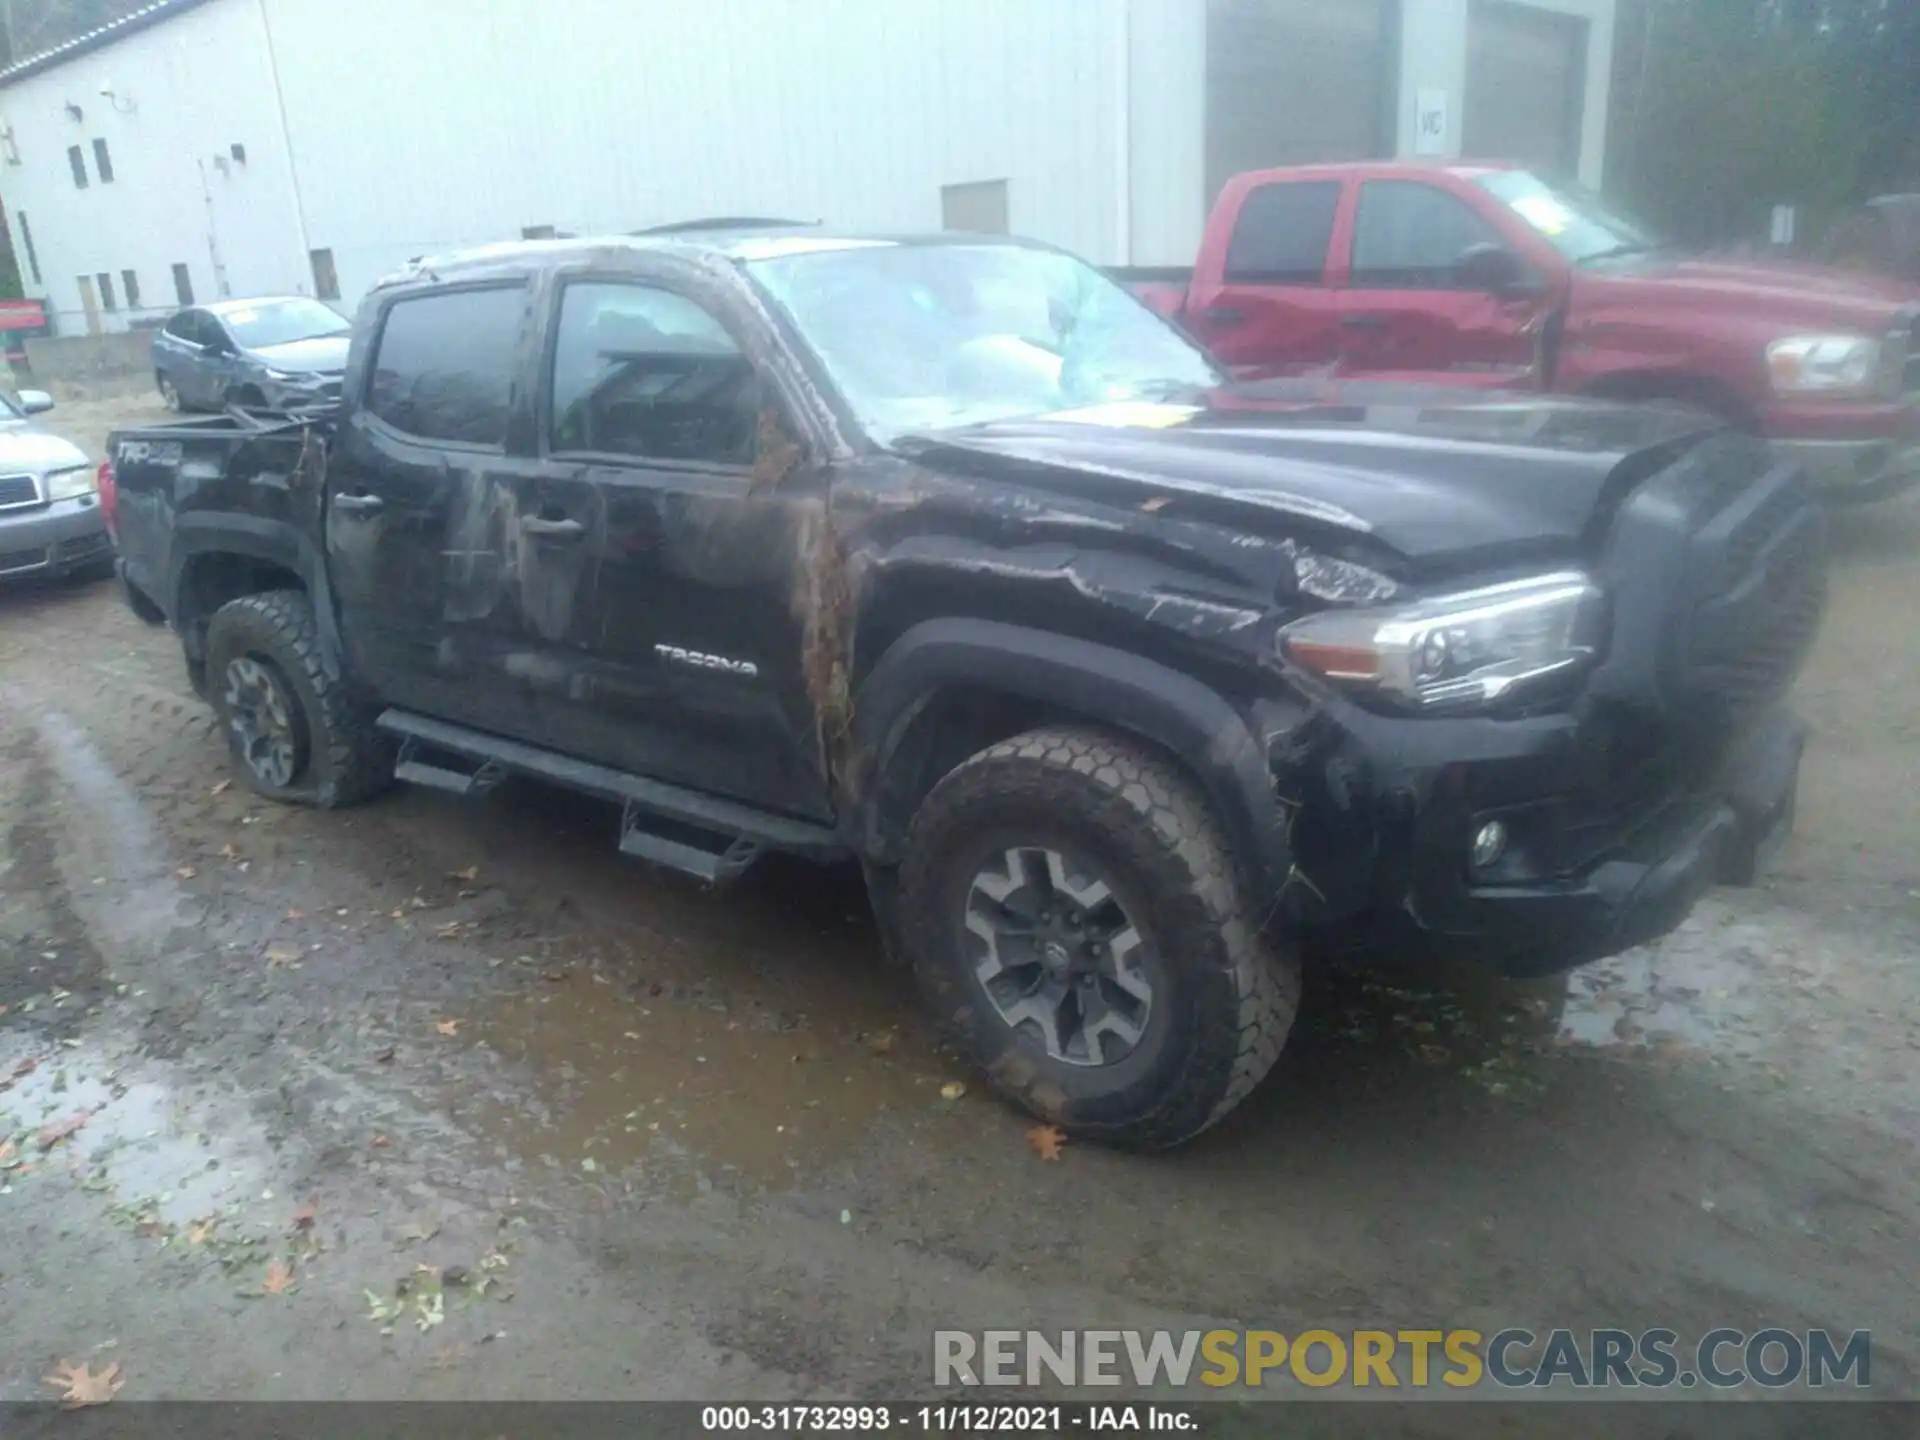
x: 1458, y: 652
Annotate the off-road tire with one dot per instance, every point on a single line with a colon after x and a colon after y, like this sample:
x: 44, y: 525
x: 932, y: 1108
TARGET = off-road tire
x: 1233, y: 993
x: 347, y: 760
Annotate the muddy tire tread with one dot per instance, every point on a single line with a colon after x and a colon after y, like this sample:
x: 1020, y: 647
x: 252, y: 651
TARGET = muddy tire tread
x: 1237, y: 1045
x: 358, y: 765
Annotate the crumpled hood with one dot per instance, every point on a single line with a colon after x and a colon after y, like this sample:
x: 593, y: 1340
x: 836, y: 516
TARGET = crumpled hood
x: 1428, y: 473
x: 24, y: 448
x: 323, y: 352
x: 1790, y: 294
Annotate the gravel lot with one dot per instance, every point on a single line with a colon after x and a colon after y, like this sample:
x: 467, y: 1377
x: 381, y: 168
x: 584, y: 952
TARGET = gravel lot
x: 681, y: 1144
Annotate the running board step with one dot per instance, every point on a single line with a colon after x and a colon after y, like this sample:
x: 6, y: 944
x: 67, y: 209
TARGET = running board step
x: 415, y: 771
x: 708, y: 836
x: 715, y: 866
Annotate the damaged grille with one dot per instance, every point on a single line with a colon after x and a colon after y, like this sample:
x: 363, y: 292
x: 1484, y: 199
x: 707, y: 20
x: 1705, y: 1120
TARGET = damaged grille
x: 1761, y: 573
x: 18, y: 490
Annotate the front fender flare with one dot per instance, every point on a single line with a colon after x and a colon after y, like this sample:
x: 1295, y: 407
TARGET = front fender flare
x: 1109, y: 687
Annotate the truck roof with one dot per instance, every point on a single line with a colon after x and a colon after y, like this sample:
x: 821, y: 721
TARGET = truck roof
x: 749, y: 242
x: 1380, y: 169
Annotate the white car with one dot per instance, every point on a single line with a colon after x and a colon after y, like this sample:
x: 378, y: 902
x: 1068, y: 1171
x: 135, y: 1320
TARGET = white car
x: 50, y: 517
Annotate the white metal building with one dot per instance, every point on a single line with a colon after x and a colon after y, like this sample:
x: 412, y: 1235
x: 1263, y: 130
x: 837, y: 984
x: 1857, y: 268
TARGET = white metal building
x: 233, y: 147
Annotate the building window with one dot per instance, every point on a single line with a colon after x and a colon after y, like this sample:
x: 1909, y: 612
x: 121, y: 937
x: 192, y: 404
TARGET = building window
x: 26, y: 240
x: 130, y: 283
x: 182, y: 285
x: 103, y: 162
x: 980, y: 207
x: 77, y: 158
x: 105, y: 282
x: 326, y: 279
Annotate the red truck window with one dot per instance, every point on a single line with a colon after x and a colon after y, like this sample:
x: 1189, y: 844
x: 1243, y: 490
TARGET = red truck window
x: 1281, y: 234
x: 1410, y: 236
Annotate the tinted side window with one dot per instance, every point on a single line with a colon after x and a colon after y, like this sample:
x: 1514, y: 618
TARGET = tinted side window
x: 1410, y: 236
x: 1281, y: 235
x: 645, y: 372
x: 181, y: 327
x: 445, y: 364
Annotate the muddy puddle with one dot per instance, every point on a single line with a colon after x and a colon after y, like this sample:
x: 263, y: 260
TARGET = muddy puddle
x: 649, y: 1087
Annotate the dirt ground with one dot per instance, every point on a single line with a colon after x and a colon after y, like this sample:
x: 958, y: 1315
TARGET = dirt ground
x: 444, y: 1099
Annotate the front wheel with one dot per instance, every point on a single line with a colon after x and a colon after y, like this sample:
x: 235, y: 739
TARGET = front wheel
x: 170, y: 394
x: 1076, y: 921
x: 292, y: 732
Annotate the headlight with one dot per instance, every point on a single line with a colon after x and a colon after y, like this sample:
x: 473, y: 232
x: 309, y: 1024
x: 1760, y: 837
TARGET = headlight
x: 72, y: 483
x: 1823, y: 364
x: 294, y: 377
x: 1461, y: 651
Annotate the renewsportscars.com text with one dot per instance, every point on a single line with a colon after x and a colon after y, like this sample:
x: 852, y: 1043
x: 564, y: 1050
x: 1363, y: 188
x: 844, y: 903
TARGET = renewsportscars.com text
x: 1513, y: 1358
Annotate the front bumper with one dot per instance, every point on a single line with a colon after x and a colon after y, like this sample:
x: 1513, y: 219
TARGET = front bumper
x: 301, y: 394
x: 1850, y: 452
x: 1581, y: 877
x: 52, y: 539
x: 1854, y: 471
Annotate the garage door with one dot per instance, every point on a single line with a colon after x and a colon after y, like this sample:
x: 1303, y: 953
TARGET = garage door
x: 1526, y: 83
x: 1290, y: 82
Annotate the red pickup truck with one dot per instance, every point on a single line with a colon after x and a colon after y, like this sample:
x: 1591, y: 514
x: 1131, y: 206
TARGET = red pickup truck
x: 1487, y: 275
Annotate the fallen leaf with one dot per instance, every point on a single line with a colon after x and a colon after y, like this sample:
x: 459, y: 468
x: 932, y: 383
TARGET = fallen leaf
x: 952, y: 1090
x: 198, y: 1232
x: 447, y: 1027
x: 278, y: 955
x: 419, y: 1231
x: 1046, y: 1141
x: 449, y: 931
x: 222, y: 787
x: 1158, y: 502
x: 1433, y: 1054
x: 26, y: 1066
x: 303, y: 1218
x: 385, y: 1056
x: 186, y: 872
x: 82, y: 1387
x: 51, y: 1135
x: 227, y: 852
x: 880, y: 1044
x: 296, y: 915
x: 430, y: 1309
x: 279, y: 1278
x: 380, y: 1142
x: 471, y: 873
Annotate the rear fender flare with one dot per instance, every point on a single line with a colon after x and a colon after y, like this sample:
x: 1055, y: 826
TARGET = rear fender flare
x: 273, y: 541
x: 1069, y: 678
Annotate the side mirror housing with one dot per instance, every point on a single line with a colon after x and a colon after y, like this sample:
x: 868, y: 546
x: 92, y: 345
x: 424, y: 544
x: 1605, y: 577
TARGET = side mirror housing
x: 35, y: 402
x: 1495, y: 270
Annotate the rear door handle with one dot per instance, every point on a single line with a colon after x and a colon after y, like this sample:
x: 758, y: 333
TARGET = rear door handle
x: 552, y: 529
x: 1364, y: 322
x: 358, y: 504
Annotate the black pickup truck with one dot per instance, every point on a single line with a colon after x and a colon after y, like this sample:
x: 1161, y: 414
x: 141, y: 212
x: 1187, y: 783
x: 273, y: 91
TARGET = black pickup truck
x: 1129, y: 688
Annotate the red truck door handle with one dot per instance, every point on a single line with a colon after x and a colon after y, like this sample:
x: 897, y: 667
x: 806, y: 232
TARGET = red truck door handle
x: 1364, y: 322
x: 552, y: 529
x: 1221, y: 314
x: 358, y: 504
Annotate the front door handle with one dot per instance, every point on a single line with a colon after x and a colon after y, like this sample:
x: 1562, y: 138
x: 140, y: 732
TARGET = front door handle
x: 1222, y: 314
x: 552, y: 529
x: 358, y: 504
x: 1364, y: 322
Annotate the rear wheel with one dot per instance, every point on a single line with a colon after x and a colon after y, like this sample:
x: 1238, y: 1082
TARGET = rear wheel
x: 1076, y: 921
x: 292, y: 732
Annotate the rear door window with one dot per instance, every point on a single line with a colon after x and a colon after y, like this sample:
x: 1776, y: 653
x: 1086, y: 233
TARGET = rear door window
x: 445, y: 364
x: 1410, y: 236
x: 1282, y: 233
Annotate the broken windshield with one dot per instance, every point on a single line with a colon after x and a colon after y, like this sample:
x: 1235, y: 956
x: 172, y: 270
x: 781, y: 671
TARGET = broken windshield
x: 931, y: 336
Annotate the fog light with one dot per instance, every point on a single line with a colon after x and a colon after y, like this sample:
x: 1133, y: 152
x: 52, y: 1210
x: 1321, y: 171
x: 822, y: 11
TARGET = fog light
x: 1489, y: 843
